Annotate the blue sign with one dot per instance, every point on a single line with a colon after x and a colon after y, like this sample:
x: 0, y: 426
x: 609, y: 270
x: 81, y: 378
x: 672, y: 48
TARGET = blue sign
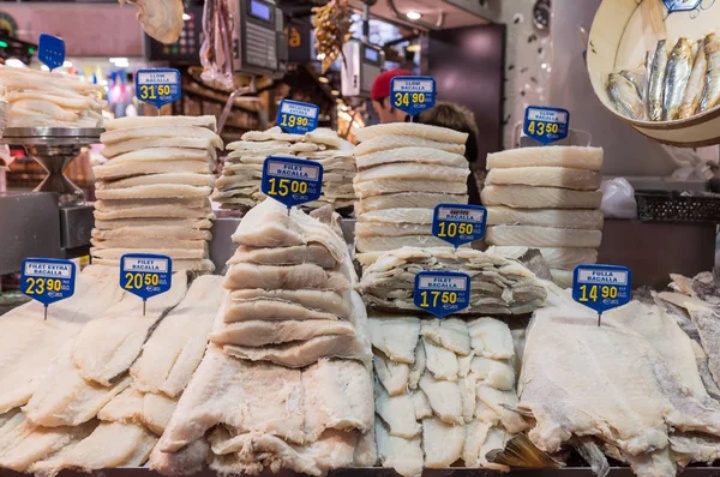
x: 291, y: 181
x: 602, y: 287
x: 442, y: 293
x: 47, y: 280
x: 158, y: 86
x: 412, y: 94
x: 459, y: 223
x: 51, y: 51
x: 295, y: 117
x: 145, y: 275
x: 681, y: 5
x: 546, y: 125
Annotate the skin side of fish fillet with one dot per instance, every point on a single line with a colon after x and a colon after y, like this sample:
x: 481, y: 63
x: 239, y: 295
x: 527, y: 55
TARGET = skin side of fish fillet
x: 561, y: 218
x: 411, y: 171
x: 407, y: 200
x: 551, y: 156
x: 528, y: 197
x: 381, y: 187
x: 565, y: 177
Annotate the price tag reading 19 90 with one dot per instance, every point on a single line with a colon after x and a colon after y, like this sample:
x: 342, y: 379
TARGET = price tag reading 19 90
x: 47, y: 280
x: 546, y: 125
x: 442, y: 293
x: 291, y: 181
x: 158, y: 86
x: 295, y: 117
x: 145, y: 275
x: 459, y: 223
x: 602, y: 287
x: 412, y: 94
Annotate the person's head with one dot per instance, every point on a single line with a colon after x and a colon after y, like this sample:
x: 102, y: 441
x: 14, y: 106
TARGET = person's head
x: 456, y: 117
x: 380, y: 95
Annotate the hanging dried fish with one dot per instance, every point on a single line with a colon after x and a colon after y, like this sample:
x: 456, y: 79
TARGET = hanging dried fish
x: 332, y: 29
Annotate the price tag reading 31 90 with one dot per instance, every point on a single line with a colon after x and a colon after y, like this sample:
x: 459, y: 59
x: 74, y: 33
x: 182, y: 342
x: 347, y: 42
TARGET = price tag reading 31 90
x: 291, y: 181
x: 459, y: 223
x: 158, y: 86
x: 602, y: 287
x: 546, y: 125
x: 412, y: 94
x: 441, y: 293
x: 295, y: 117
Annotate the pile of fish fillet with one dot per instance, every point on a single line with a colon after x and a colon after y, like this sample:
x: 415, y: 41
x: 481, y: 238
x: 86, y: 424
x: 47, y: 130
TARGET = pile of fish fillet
x: 546, y: 198
x: 670, y: 86
x: 153, y: 191
x: 44, y: 99
x: 404, y: 171
x: 239, y: 186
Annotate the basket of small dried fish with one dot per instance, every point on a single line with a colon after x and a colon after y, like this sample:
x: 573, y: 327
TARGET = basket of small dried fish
x: 659, y: 70
x: 665, y: 206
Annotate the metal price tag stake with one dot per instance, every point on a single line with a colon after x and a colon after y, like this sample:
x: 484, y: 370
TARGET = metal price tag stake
x: 295, y: 117
x: 459, y: 224
x: 291, y: 181
x: 602, y: 287
x: 145, y: 275
x: 158, y: 86
x: 441, y: 293
x: 47, y: 280
x: 412, y: 94
x: 546, y: 125
x: 51, y: 51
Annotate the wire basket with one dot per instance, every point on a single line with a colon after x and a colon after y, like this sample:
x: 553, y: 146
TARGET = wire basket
x: 664, y: 206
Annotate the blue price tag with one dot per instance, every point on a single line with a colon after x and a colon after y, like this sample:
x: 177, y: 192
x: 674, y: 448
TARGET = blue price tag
x: 291, y: 181
x: 412, y: 94
x: 145, y: 275
x: 47, y: 280
x: 158, y: 86
x: 51, y: 51
x: 546, y: 125
x: 681, y: 5
x: 459, y: 223
x: 295, y: 117
x: 442, y: 293
x: 602, y: 287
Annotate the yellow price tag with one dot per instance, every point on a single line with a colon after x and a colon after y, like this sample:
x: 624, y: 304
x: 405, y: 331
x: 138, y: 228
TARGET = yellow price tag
x: 542, y: 128
x: 137, y: 281
x: 593, y: 293
x: 453, y: 229
x: 290, y: 121
x: 283, y: 187
x: 432, y: 298
x: 38, y: 286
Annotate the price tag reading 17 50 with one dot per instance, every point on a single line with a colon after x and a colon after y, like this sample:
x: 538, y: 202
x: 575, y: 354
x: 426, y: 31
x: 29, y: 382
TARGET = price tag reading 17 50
x: 158, y: 86
x: 47, y: 280
x: 459, y: 223
x: 546, y: 125
x: 412, y: 94
x: 442, y: 293
x: 295, y: 117
x: 291, y: 181
x: 602, y: 287
x: 145, y: 275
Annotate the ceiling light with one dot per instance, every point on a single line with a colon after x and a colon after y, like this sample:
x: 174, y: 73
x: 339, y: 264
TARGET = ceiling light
x: 323, y: 79
x: 120, y: 62
x: 15, y: 63
x: 412, y: 15
x: 186, y: 17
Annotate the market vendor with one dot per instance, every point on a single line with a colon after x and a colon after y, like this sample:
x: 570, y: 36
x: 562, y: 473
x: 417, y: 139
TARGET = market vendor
x: 380, y: 95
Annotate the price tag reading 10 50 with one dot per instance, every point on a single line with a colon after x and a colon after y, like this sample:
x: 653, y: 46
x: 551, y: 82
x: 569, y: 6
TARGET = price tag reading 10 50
x: 412, y: 94
x: 145, y: 275
x: 296, y: 117
x: 459, y: 223
x: 441, y: 293
x: 602, y: 287
x: 291, y: 181
x: 158, y: 86
x: 546, y: 125
x: 47, y: 280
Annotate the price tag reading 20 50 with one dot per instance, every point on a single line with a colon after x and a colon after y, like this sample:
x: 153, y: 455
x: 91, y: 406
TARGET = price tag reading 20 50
x: 459, y: 223
x: 442, y: 293
x: 602, y: 287
x: 412, y: 94
x: 145, y: 275
x: 47, y: 280
x: 546, y: 125
x: 159, y: 86
x: 291, y: 181
x: 295, y: 117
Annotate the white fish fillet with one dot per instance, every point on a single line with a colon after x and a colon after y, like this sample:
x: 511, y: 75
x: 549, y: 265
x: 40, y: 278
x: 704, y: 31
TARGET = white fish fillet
x: 192, y: 265
x: 293, y: 277
x: 161, y: 121
x: 562, y: 278
x: 160, y: 154
x: 126, y: 407
x: 565, y: 177
x: 396, y: 216
x: 111, y: 171
x: 414, y: 155
x: 157, y: 411
x: 393, y: 376
x: 499, y: 402
x: 152, y: 231
x: 494, y: 373
x: 257, y: 333
x: 450, y: 333
x: 528, y: 197
x: 491, y: 338
x: 560, y: 218
x: 422, y: 131
x: 377, y: 229
x: 407, y: 200
x: 551, y: 156
x: 374, y: 188
x: 200, y: 144
x: 409, y: 171
x: 444, y: 398
x: 154, y: 191
x: 405, y: 456
x: 143, y: 243
x: 327, y: 137
x: 259, y: 304
x: 293, y: 255
x: 272, y: 134
x: 443, y: 443
x: 441, y: 362
x: 398, y: 412
x: 531, y: 235
x: 564, y: 258
x: 250, y: 146
x: 377, y: 244
x: 384, y: 143
x: 174, y: 253
x: 188, y: 223
x: 194, y: 132
x: 198, y: 180
x: 396, y: 336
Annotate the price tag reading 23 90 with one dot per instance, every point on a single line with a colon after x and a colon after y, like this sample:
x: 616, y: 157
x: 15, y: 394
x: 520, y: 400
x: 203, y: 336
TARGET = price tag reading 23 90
x: 546, y: 125
x: 291, y: 181
x: 602, y: 287
x: 295, y: 117
x: 412, y: 94
x: 441, y: 293
x: 145, y: 275
x: 158, y: 86
x: 47, y: 280
x: 459, y: 223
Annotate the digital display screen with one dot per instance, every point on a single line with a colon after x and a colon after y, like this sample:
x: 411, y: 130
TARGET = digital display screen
x: 260, y: 10
x: 371, y: 54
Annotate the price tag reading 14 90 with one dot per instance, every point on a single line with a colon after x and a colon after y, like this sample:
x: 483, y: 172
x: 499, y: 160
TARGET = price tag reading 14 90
x: 441, y: 293
x: 291, y: 181
x: 459, y: 223
x: 145, y: 275
x: 295, y: 117
x: 546, y: 125
x: 412, y: 94
x: 158, y: 86
x: 602, y: 287
x: 47, y: 280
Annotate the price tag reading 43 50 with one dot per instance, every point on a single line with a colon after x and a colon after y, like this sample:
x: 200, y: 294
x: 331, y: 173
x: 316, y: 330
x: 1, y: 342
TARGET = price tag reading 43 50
x: 145, y: 275
x: 546, y: 125
x: 47, y: 280
x: 442, y: 293
x: 459, y: 223
x: 158, y: 86
x: 295, y: 117
x: 412, y: 94
x: 291, y: 181
x: 602, y: 287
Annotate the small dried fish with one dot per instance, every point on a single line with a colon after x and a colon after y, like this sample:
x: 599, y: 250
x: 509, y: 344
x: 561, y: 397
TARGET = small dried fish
x: 638, y: 77
x: 656, y: 82
x: 694, y: 91
x: 625, y: 97
x: 676, y: 78
x: 711, y: 93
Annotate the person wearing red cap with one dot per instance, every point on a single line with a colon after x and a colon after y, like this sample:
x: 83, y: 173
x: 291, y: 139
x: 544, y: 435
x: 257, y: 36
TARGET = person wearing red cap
x: 380, y: 92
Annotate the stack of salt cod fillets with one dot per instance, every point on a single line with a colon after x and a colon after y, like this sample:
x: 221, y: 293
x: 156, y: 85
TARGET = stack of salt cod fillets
x: 285, y: 382
x: 441, y: 390
x: 546, y: 198
x: 239, y: 186
x: 153, y: 191
x: 499, y: 285
x: 404, y: 171
x: 44, y: 99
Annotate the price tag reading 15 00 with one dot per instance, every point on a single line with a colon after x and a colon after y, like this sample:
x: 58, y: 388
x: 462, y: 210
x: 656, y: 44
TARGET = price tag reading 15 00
x: 546, y: 125
x: 158, y: 86
x: 459, y: 223
x: 47, y: 280
x: 291, y: 181
x: 602, y: 287
x: 295, y: 117
x: 441, y: 293
x: 412, y: 94
x: 145, y: 275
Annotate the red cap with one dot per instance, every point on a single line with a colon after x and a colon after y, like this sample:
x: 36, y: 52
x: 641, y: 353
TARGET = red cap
x: 381, y: 86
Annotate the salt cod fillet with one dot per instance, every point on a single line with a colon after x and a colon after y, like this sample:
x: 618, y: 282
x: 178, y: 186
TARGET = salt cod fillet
x: 398, y: 412
x: 590, y: 158
x: 565, y: 177
x: 443, y: 443
x: 293, y: 255
x: 374, y: 188
x: 395, y: 377
x: 405, y: 456
x: 207, y: 121
x: 197, y: 180
x: 422, y: 131
x: 441, y: 362
x: 154, y: 192
x: 120, y: 135
x: 174, y: 222
x: 378, y: 229
x: 407, y: 200
x: 491, y: 338
x: 531, y: 235
x: 412, y: 172
x: 568, y: 219
x: 188, y: 143
x: 450, y: 333
x: 160, y: 154
x: 396, y: 336
x: 564, y: 258
x: 398, y: 216
x: 415, y: 155
x: 276, y: 305
x: 257, y: 333
x: 294, y: 277
x: 383, y: 243
x: 528, y: 197
x: 385, y: 143
x: 110, y: 171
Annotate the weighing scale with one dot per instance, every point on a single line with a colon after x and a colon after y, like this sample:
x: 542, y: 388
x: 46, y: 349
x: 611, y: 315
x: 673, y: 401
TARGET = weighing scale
x: 259, y: 44
x: 363, y: 62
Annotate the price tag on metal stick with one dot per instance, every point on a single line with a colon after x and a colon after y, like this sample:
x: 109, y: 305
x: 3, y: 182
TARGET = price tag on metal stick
x: 459, y: 224
x: 412, y: 94
x: 51, y: 51
x: 681, y: 5
x: 602, y: 287
x: 158, y: 86
x: 145, y: 275
x: 47, y: 280
x: 291, y: 181
x: 295, y: 117
x: 442, y: 293
x: 546, y: 125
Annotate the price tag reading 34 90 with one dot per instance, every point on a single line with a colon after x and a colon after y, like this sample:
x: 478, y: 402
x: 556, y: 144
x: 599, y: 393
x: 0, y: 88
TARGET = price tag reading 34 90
x: 47, y: 280
x: 291, y: 181
x: 546, y: 125
x: 459, y: 223
x: 602, y: 287
x: 412, y: 94
x: 442, y: 293
x: 158, y: 86
x: 145, y: 275
x: 295, y: 117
